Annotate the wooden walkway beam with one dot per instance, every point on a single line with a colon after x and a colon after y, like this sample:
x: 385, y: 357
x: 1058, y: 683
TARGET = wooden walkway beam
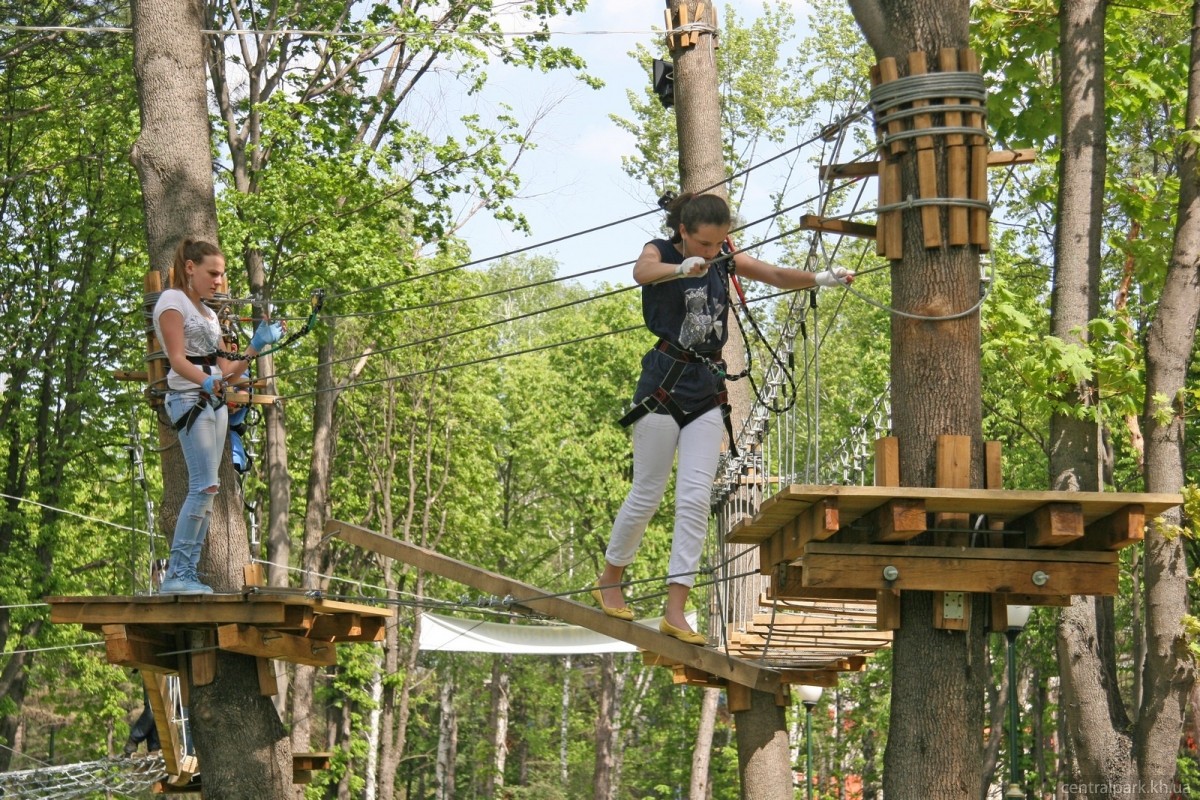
x: 708, y: 660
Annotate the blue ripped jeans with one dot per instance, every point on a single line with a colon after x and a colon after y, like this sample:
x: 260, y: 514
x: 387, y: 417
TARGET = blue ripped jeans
x: 202, y: 448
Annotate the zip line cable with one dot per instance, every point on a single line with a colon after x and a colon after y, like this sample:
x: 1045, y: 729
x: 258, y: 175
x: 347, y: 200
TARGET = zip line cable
x: 428, y: 340
x: 732, y: 177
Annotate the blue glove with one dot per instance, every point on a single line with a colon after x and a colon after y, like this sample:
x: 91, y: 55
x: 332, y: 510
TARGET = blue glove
x: 267, y: 333
x: 209, y: 385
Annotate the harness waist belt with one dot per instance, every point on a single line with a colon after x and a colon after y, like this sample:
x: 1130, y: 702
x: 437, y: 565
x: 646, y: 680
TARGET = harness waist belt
x: 209, y: 360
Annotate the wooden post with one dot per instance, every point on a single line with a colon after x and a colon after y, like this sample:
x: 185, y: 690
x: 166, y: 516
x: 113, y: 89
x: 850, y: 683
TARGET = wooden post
x: 956, y: 159
x: 969, y: 62
x: 927, y: 187
x: 887, y: 473
x: 952, y: 610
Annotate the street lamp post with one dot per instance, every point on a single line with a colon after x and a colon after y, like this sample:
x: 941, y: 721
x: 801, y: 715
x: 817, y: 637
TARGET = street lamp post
x: 809, y: 695
x: 1018, y: 616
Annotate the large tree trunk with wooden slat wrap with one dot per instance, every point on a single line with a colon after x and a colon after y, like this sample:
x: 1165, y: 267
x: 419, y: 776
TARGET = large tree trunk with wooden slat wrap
x: 934, y: 745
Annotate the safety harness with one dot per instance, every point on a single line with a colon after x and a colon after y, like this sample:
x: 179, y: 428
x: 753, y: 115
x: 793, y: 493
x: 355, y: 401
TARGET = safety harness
x: 662, y: 398
x: 204, y: 400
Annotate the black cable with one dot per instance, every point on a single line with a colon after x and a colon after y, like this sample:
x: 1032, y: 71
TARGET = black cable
x: 732, y: 177
x: 440, y: 336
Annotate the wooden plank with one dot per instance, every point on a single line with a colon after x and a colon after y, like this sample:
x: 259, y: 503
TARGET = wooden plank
x: 728, y: 667
x: 348, y: 628
x: 203, y: 659
x: 986, y: 570
x: 889, y: 71
x: 1125, y: 526
x: 952, y: 611
x: 899, y: 520
x: 139, y: 648
x: 887, y: 604
x: 1053, y: 525
x: 268, y: 682
x: 694, y: 36
x: 815, y: 222
x: 891, y: 223
x: 927, y: 187
x: 958, y: 231
x: 253, y: 574
x: 887, y: 461
x: 156, y: 693
x: 253, y: 641
x: 737, y: 697
x: 870, y: 169
x: 168, y: 610
x: 952, y: 471
x: 810, y: 677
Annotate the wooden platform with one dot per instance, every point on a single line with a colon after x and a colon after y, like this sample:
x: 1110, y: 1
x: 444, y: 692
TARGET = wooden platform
x: 162, y: 635
x: 303, y: 766
x: 148, y: 633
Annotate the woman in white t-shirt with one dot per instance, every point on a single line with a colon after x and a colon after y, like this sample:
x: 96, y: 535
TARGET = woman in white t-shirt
x: 191, y: 337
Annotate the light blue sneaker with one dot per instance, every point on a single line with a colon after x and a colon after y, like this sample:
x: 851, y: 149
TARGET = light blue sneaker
x: 184, y: 582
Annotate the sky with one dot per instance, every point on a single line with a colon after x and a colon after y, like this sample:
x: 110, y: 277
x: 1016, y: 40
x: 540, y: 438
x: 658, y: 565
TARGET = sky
x: 573, y: 179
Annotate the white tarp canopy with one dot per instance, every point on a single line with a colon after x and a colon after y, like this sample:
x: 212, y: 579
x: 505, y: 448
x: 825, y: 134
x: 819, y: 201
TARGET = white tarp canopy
x: 474, y: 636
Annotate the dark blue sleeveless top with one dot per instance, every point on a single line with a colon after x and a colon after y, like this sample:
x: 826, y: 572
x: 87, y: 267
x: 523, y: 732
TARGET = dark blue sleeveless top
x: 691, y: 314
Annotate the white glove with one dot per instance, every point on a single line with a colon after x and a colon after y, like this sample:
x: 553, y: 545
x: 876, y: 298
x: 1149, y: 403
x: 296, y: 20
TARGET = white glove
x: 685, y: 269
x: 838, y: 276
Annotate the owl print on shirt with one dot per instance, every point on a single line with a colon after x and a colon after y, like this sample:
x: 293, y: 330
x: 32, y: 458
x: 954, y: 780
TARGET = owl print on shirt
x: 703, y: 319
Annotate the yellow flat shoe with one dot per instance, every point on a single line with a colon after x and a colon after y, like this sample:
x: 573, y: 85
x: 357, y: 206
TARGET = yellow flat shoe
x: 683, y: 635
x: 618, y: 612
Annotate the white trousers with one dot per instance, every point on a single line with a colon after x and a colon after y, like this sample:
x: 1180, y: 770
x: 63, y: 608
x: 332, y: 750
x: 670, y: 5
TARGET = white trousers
x: 656, y: 438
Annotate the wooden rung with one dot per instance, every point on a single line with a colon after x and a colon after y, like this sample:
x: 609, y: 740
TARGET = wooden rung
x: 814, y: 222
x: 1053, y: 525
x: 129, y: 375
x: 870, y: 169
x: 265, y: 643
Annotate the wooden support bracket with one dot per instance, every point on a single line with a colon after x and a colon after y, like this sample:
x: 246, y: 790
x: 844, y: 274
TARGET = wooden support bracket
x: 1053, y: 525
x: 267, y: 643
x: 971, y: 569
x: 899, y: 520
x: 1125, y: 526
x: 139, y: 648
x: 815, y: 222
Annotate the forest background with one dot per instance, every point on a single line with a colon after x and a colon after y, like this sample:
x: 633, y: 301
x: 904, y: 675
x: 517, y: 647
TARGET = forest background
x: 475, y: 404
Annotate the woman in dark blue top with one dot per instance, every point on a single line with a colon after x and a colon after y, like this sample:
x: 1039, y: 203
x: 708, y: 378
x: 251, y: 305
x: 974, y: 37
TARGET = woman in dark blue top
x: 679, y: 396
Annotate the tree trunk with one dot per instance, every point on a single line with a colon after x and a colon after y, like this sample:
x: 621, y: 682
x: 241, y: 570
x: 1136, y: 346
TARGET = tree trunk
x: 447, y: 751
x: 607, y: 702
x: 1075, y: 462
x: 240, y: 740
x: 934, y: 745
x: 761, y: 735
x: 702, y: 753
x: 1169, y: 671
x: 494, y: 784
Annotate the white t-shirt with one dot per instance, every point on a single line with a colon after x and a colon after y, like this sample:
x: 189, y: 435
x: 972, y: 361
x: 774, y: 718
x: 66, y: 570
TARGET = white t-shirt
x: 201, y: 332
